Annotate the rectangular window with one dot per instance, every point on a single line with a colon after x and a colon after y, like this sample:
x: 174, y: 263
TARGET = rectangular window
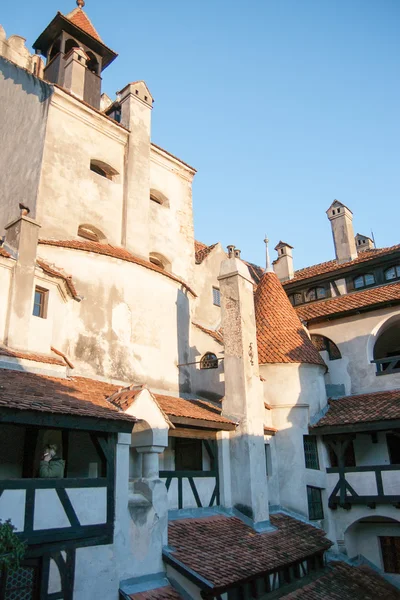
x: 40, y: 302
x: 390, y: 547
x: 216, y: 297
x: 188, y: 455
x: 315, y: 508
x: 393, y: 442
x: 311, y: 452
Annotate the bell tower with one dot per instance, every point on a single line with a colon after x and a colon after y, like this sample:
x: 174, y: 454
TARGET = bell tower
x: 75, y: 54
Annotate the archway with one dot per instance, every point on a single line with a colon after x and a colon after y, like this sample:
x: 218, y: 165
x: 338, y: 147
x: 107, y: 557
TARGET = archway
x: 386, y: 349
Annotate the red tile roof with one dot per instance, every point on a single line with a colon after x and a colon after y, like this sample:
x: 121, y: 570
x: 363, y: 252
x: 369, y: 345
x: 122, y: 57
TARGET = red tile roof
x: 333, y: 265
x: 75, y: 396
x: 216, y: 335
x: 201, y: 251
x: 79, y: 18
x: 225, y: 551
x: 363, y: 408
x: 340, y: 581
x: 33, y: 356
x: 113, y: 252
x: 173, y: 406
x: 53, y: 271
x: 163, y: 593
x: 4, y: 253
x: 280, y: 336
x: 361, y: 299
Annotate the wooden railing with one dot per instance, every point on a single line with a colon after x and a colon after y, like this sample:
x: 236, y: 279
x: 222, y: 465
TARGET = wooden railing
x: 180, y: 476
x: 385, y: 366
x: 345, y: 496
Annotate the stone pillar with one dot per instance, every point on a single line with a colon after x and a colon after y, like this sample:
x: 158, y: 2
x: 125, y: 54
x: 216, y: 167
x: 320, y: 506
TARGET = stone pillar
x: 150, y: 461
x: 244, y: 399
x: 21, y: 237
x: 341, y: 219
x: 136, y: 104
x: 75, y: 72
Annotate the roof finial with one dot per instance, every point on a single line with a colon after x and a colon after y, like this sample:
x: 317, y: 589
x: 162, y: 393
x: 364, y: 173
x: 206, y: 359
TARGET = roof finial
x: 80, y: 3
x: 268, y: 268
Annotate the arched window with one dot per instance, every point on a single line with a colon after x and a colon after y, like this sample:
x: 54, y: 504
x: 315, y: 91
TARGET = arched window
x: 89, y: 232
x: 209, y: 361
x: 296, y: 299
x: 364, y: 280
x: 316, y: 293
x: 387, y: 348
x: 160, y: 261
x: 55, y: 49
x: 392, y: 273
x: 102, y: 169
x: 69, y: 44
x: 158, y: 197
x: 323, y: 343
x: 92, y: 64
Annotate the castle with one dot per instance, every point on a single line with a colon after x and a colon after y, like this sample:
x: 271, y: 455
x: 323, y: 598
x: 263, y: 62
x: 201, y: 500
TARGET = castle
x: 228, y: 430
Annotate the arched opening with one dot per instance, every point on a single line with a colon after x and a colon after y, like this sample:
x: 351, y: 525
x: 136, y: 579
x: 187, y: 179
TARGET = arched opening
x: 209, y: 361
x: 103, y: 169
x: 92, y: 64
x: 158, y: 197
x: 55, y: 49
x: 387, y: 348
x: 69, y: 44
x: 377, y: 539
x: 324, y: 344
x: 89, y: 232
x: 160, y: 261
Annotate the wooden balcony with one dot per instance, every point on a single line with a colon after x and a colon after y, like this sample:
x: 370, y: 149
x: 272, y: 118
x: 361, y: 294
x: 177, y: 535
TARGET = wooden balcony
x: 386, y: 366
x: 380, y: 481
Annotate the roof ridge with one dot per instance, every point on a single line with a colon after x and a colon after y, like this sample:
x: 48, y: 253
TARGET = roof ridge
x: 79, y: 18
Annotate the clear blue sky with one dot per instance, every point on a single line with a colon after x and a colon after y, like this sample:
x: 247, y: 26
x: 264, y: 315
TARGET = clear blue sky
x: 281, y: 106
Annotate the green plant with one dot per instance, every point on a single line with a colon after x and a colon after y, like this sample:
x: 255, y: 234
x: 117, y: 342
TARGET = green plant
x: 12, y: 550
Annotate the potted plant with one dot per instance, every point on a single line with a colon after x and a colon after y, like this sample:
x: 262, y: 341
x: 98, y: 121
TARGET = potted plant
x: 12, y: 550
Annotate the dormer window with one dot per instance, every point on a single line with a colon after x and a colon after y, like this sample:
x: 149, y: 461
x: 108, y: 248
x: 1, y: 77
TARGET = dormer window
x: 296, y: 299
x: 363, y: 281
x: 392, y: 273
x: 317, y: 293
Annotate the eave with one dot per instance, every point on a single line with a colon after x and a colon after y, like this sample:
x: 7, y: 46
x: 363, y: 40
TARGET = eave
x: 383, y: 425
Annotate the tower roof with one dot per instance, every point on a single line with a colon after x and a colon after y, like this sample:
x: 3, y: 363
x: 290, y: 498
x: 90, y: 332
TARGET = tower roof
x: 281, y: 338
x: 79, y: 18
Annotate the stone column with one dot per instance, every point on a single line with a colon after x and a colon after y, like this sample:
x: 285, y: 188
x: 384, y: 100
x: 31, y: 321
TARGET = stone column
x: 21, y: 238
x: 136, y: 104
x: 243, y: 393
x: 75, y: 72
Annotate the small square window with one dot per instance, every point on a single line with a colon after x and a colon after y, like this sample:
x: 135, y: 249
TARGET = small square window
x: 314, y: 499
x: 40, y: 303
x: 216, y: 297
x: 311, y: 452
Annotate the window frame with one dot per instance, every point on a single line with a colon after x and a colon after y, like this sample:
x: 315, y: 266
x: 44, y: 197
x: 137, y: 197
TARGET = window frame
x: 43, y: 306
x: 315, y: 290
x: 315, y: 503
x: 292, y: 298
x: 311, y: 455
x: 396, y: 271
x: 209, y: 360
x: 182, y: 450
x: 365, y: 285
x: 216, y: 294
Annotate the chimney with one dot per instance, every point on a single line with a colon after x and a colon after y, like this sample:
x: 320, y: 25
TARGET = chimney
x: 341, y: 219
x: 75, y: 72
x: 363, y: 242
x: 136, y: 104
x: 21, y: 238
x: 283, y: 265
x: 243, y: 393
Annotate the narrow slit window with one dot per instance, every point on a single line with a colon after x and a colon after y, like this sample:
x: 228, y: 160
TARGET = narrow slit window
x: 216, y: 296
x: 315, y: 508
x: 40, y: 303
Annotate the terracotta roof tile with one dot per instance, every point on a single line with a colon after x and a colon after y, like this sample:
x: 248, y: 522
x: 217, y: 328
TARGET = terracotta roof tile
x: 33, y: 356
x: 4, y: 253
x: 281, y: 338
x: 340, y: 581
x: 333, y: 265
x: 354, y: 301
x: 362, y: 408
x: 225, y: 551
x: 114, y: 252
x: 163, y: 593
x: 216, y: 335
x: 74, y: 396
x: 173, y: 406
x: 201, y: 251
x: 53, y: 271
x: 79, y: 18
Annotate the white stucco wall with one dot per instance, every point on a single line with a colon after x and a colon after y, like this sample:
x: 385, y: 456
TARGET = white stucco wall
x: 206, y: 277
x: 6, y: 266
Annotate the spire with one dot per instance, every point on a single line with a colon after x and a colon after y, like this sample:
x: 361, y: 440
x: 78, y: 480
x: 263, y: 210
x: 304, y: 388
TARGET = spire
x: 80, y: 3
x: 281, y: 338
x: 268, y: 268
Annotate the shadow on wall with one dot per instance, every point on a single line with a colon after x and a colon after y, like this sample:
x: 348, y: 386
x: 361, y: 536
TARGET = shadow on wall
x: 183, y: 324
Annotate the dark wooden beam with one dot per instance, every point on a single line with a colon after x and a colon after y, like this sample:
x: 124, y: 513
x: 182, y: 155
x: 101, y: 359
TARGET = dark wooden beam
x: 356, y: 427
x: 199, y: 434
x: 203, y: 423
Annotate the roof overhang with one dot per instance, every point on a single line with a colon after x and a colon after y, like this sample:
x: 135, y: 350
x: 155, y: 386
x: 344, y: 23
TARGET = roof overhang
x: 384, y: 425
x: 61, y: 23
x: 203, y: 423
